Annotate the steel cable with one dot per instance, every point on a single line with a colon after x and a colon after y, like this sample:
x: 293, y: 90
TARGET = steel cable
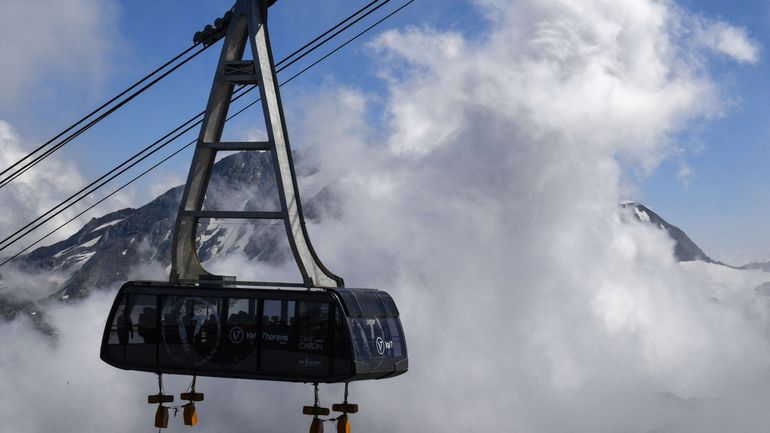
x: 9, y: 178
x: 171, y: 140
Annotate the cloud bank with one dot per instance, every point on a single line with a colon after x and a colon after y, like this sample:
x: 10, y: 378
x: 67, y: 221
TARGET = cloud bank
x: 37, y: 191
x: 486, y: 203
x: 53, y: 42
x: 66, y: 45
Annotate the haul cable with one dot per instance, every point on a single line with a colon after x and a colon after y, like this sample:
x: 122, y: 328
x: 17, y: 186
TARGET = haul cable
x: 10, y: 177
x: 178, y: 150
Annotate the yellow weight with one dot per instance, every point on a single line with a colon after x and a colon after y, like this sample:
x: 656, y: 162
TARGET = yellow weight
x: 343, y: 424
x: 190, y: 415
x: 317, y: 426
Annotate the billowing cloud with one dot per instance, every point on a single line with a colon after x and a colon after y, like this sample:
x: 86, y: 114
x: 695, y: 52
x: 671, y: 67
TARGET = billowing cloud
x: 728, y: 40
x: 66, y: 45
x: 36, y: 191
x: 50, y: 41
x: 487, y: 204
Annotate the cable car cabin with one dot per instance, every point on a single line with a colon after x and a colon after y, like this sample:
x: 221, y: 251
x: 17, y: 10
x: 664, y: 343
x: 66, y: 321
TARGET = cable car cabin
x: 318, y: 335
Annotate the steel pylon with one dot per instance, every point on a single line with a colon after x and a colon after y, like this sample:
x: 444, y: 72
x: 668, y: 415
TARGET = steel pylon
x: 248, y: 26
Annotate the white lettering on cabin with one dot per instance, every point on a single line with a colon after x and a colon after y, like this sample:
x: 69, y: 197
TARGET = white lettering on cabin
x: 309, y: 363
x: 236, y: 335
x: 280, y: 338
x: 307, y: 342
x: 383, y: 345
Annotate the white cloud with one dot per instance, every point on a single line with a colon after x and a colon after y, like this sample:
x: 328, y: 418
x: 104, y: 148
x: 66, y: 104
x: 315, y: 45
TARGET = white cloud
x: 37, y: 191
x: 53, y: 42
x: 66, y: 45
x: 487, y: 205
x: 728, y: 40
x: 685, y: 173
x: 165, y: 183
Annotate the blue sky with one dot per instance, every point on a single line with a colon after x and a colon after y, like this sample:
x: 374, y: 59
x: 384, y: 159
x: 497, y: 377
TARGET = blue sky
x: 722, y: 205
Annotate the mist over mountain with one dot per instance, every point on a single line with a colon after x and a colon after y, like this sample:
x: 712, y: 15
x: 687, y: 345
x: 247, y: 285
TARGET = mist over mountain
x: 120, y: 245
x: 685, y: 250
x: 757, y: 266
x: 136, y: 243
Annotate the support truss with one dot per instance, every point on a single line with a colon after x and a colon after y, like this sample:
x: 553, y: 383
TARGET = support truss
x: 248, y: 25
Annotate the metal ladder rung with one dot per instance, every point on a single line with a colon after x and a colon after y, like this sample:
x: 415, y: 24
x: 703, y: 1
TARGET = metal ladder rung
x: 238, y: 145
x: 222, y: 214
x: 239, y: 66
x: 242, y: 79
x: 240, y: 72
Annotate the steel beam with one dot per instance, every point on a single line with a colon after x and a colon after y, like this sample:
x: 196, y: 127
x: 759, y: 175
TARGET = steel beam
x: 249, y: 24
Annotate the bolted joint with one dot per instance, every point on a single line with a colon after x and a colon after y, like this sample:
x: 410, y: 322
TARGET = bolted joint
x: 210, y: 34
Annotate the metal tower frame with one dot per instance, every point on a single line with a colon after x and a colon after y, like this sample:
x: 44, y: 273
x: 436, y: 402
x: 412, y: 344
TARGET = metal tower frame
x: 248, y: 24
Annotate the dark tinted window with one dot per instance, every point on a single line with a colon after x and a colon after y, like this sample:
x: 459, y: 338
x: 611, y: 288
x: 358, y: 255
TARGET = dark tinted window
x: 121, y: 327
x: 313, y: 326
x: 350, y: 302
x: 135, y: 334
x: 278, y: 324
x: 341, y: 356
x: 142, y: 316
x: 240, y: 334
x: 390, y: 306
x: 394, y: 330
x: 191, y: 330
x: 370, y: 303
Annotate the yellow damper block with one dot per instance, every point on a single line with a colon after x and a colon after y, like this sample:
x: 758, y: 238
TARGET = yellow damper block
x: 343, y: 424
x: 190, y: 415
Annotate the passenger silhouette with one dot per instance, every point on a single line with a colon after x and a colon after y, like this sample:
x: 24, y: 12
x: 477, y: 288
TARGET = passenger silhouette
x: 125, y: 328
x: 147, y: 325
x: 211, y: 328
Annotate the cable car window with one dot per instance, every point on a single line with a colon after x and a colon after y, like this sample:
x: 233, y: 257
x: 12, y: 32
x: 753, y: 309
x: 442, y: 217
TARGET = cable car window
x: 278, y: 350
x: 394, y: 332
x: 192, y: 328
x: 239, y: 340
x: 370, y: 303
x: 341, y: 361
x: 136, y: 327
x: 390, y: 306
x: 121, y: 326
x: 350, y: 302
x: 278, y: 330
x: 313, y: 327
x: 143, y: 317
